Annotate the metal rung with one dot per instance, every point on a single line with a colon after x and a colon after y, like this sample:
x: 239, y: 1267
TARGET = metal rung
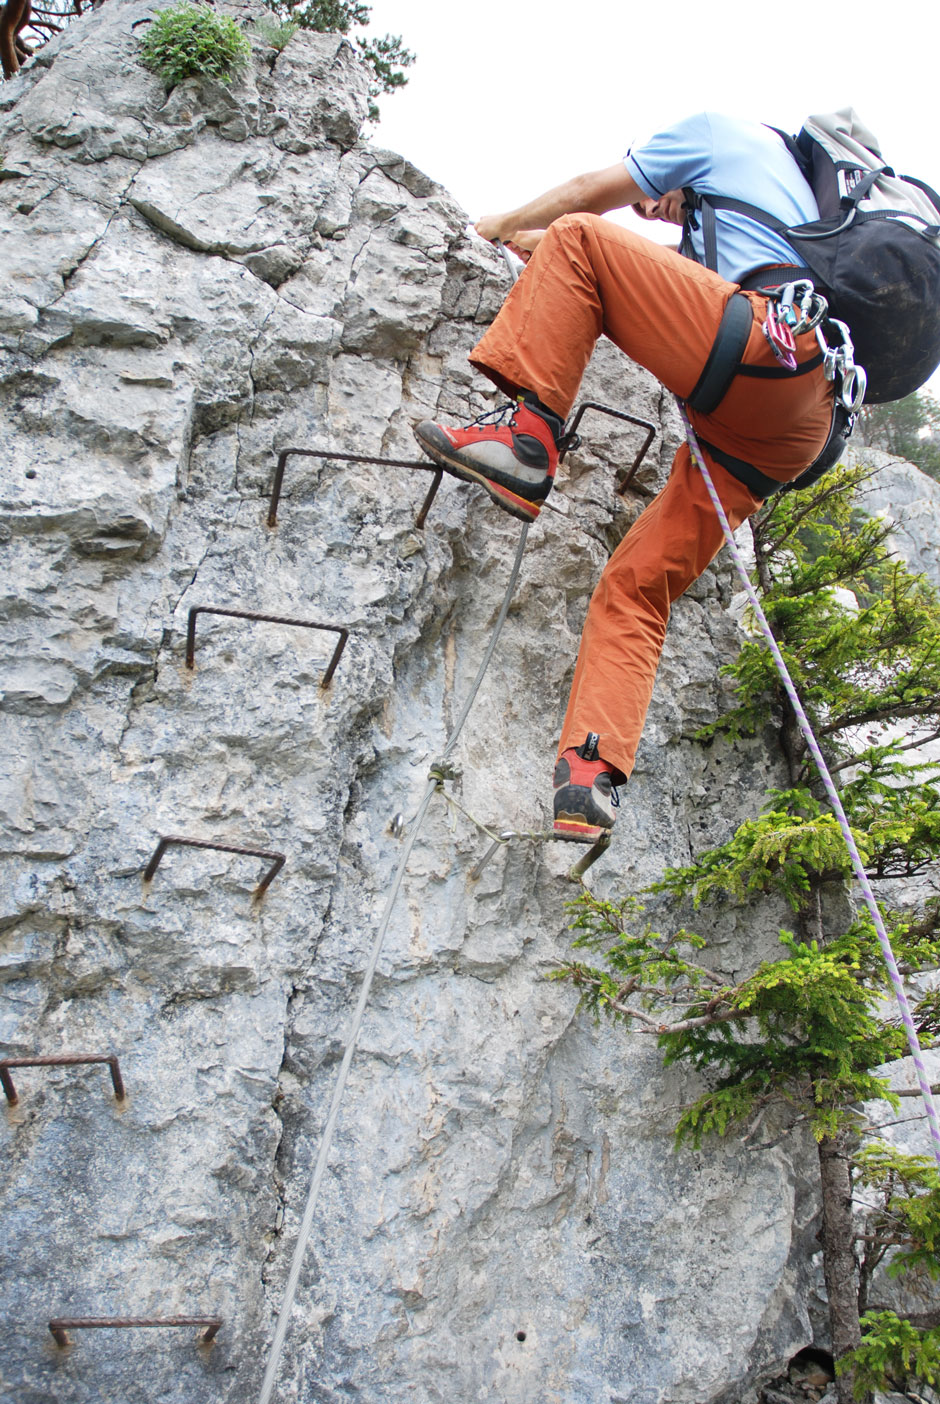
x: 575, y: 872
x: 59, y: 1060
x: 278, y: 859
x: 624, y: 478
x: 421, y: 466
x: 61, y: 1325
x: 267, y: 619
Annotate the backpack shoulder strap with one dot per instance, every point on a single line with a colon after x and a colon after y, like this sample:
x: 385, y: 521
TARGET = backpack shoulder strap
x: 708, y: 204
x: 928, y: 190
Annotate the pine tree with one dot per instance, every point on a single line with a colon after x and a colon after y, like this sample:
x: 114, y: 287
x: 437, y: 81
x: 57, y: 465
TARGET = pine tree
x: 801, y: 1038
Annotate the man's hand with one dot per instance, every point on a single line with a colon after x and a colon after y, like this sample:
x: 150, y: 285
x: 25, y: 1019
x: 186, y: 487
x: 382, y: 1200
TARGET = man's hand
x: 493, y: 227
x: 595, y: 192
x: 522, y: 242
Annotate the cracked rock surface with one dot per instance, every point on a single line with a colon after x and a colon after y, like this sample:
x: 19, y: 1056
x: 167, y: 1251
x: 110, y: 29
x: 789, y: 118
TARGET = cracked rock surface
x: 192, y: 283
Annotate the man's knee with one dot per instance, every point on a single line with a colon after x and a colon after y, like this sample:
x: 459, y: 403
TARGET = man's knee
x: 575, y: 224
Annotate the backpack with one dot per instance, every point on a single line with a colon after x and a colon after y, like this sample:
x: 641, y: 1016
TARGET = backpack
x: 874, y: 252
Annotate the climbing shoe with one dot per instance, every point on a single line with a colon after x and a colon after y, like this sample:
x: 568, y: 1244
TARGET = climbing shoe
x: 512, y: 452
x: 585, y: 796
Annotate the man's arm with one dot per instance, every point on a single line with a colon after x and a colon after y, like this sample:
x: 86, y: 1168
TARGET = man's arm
x: 595, y: 192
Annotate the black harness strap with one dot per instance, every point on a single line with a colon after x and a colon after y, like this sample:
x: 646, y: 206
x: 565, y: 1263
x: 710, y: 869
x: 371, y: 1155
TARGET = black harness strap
x: 724, y: 359
x: 781, y: 372
x: 753, y: 479
x: 840, y: 431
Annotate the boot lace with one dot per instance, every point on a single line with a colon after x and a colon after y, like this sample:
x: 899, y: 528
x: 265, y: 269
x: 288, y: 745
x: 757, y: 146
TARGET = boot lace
x: 498, y: 416
x: 495, y: 416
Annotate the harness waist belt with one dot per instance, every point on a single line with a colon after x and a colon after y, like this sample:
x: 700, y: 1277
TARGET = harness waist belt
x: 776, y: 277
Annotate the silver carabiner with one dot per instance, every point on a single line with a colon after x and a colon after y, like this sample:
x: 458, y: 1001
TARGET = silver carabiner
x: 831, y: 355
x: 854, y: 385
x: 813, y: 309
x: 785, y: 310
x: 847, y: 344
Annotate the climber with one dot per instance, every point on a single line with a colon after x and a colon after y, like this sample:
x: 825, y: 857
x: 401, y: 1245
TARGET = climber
x: 586, y: 276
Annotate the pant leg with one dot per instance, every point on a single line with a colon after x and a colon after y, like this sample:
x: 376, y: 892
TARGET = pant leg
x: 667, y: 548
x: 589, y: 277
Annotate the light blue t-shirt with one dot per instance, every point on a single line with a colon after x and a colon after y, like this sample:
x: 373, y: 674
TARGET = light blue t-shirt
x: 727, y: 156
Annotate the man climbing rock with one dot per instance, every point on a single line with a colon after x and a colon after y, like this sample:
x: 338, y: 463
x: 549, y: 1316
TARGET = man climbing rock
x: 587, y: 276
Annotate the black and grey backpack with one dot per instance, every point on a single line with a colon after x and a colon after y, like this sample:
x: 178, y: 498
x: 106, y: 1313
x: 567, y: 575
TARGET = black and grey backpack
x: 874, y: 252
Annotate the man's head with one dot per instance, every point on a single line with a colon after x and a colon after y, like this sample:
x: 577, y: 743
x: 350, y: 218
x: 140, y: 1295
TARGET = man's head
x: 669, y: 207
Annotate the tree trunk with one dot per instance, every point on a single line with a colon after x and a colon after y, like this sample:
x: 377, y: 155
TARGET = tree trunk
x: 839, y: 1265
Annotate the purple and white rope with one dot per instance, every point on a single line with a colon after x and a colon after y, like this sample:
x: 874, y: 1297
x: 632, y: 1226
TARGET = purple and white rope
x: 831, y: 791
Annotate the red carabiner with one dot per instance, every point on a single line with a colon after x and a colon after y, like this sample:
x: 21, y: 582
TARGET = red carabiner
x: 779, y: 339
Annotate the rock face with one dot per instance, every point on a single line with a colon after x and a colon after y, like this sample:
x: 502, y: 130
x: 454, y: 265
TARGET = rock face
x: 192, y: 283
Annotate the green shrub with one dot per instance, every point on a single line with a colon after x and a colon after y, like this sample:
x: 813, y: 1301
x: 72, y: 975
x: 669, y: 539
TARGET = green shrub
x: 188, y: 41
x: 275, y: 35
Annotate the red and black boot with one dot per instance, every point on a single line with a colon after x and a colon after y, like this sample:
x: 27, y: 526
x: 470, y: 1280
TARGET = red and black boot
x: 585, y: 797
x: 515, y: 461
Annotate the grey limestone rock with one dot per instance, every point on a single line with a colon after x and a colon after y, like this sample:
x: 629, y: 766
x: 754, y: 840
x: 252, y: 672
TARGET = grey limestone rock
x: 192, y: 283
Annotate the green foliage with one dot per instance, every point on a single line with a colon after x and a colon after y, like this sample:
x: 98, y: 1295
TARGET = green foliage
x: 909, y: 427
x: 908, y: 1216
x: 860, y: 667
x: 275, y: 34
x: 891, y: 1349
x: 188, y: 41
x: 805, y: 1033
x: 801, y: 1031
x: 793, y: 842
x: 386, y: 58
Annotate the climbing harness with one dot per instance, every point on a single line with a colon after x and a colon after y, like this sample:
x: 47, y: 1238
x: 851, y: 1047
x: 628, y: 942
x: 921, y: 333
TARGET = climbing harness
x: 793, y: 309
x: 831, y: 791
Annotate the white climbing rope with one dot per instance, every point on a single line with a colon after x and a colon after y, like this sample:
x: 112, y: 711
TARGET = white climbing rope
x: 355, y: 1023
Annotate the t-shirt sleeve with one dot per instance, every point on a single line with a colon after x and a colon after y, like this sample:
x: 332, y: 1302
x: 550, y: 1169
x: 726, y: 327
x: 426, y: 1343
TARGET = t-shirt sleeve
x: 677, y: 157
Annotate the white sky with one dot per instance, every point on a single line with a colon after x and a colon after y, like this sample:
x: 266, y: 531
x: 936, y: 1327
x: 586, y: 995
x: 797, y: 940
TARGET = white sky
x: 507, y: 100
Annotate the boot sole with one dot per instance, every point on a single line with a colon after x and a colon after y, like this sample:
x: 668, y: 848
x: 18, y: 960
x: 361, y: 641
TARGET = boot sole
x: 518, y: 507
x: 577, y: 831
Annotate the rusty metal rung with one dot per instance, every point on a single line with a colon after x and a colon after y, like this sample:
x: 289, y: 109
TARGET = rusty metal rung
x: 266, y: 619
x: 624, y: 479
x: 59, y: 1060
x: 422, y: 465
x: 61, y: 1325
x: 575, y: 872
x: 419, y: 465
x: 278, y: 859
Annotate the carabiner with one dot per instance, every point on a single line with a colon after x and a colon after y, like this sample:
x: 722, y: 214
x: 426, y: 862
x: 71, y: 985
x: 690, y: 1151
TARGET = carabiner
x: 854, y: 385
x: 811, y: 317
x: 785, y: 309
x: 779, y: 339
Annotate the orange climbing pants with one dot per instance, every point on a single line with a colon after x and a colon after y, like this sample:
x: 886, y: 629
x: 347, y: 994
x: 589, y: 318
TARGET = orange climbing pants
x: 589, y: 276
